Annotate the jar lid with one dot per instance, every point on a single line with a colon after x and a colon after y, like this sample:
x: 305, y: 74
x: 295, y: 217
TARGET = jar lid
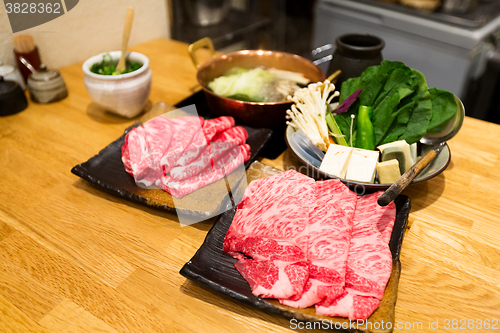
x: 44, y: 74
x: 6, y: 86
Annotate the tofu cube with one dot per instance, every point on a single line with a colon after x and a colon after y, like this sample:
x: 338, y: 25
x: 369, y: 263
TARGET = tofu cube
x: 362, y: 165
x: 336, y: 160
x: 405, y: 147
x: 388, y: 172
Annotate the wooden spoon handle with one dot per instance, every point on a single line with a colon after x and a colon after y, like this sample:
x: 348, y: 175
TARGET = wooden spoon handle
x: 399, y: 185
x: 334, y: 75
x: 126, y: 34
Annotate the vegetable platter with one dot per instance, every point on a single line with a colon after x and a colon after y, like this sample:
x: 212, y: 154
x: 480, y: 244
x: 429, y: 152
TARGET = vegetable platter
x: 369, y: 133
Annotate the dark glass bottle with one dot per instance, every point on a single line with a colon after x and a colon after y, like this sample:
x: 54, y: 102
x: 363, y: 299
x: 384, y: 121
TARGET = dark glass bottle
x: 33, y: 57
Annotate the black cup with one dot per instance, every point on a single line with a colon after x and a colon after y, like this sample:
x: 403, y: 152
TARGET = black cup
x: 355, y: 53
x: 12, y: 98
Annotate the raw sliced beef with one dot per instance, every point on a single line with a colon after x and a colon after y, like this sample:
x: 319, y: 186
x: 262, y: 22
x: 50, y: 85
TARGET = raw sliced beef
x: 227, y: 165
x: 313, y: 243
x: 187, y: 133
x: 213, y: 126
x: 369, y: 262
x: 267, y: 278
x: 143, y: 149
x: 330, y: 228
x: 190, y: 155
x: 268, y: 234
x: 199, y: 144
x: 237, y: 135
x: 205, y: 161
x: 175, y: 154
x: 197, y: 158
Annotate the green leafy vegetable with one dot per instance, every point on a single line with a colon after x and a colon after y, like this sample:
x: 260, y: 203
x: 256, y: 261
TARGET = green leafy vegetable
x: 444, y: 108
x: 399, y: 126
x: 399, y: 84
x: 108, y: 67
x: 349, y: 87
x: 421, y: 115
x: 343, y: 120
x: 242, y: 97
x: 334, y: 128
x: 404, y: 108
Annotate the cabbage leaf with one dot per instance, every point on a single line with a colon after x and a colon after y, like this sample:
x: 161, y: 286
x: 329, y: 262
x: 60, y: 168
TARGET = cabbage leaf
x: 242, y: 84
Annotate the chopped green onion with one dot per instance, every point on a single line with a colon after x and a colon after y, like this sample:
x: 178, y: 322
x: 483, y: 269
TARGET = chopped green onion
x: 334, y: 128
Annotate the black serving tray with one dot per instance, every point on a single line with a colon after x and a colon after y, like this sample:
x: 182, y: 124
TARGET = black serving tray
x: 106, y: 170
x: 214, y: 269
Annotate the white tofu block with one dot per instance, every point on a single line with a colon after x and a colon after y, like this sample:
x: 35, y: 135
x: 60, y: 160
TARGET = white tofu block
x: 405, y: 147
x: 373, y: 154
x: 336, y: 160
x: 362, y: 165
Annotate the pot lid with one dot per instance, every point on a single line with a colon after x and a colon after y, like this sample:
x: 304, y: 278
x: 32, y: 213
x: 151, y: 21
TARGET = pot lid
x: 44, y: 74
x: 6, y: 86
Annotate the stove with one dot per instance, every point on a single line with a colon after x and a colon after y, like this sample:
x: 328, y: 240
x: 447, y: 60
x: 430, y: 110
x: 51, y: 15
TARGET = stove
x: 451, y: 50
x: 480, y: 16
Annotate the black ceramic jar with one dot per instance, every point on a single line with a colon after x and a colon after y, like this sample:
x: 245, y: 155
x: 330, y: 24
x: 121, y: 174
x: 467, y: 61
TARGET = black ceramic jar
x: 355, y: 53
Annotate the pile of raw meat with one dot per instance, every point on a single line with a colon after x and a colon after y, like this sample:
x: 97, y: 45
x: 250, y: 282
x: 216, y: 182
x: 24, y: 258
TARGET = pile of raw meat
x: 183, y: 154
x: 309, y: 242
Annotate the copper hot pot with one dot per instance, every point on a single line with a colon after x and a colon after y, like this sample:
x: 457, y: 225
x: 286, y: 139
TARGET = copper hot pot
x: 253, y: 114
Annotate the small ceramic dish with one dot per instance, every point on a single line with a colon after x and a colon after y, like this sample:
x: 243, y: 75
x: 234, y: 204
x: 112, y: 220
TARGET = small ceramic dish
x: 309, y: 163
x: 124, y: 94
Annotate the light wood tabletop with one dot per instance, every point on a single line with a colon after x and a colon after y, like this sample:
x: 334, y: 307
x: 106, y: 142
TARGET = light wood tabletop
x: 74, y: 258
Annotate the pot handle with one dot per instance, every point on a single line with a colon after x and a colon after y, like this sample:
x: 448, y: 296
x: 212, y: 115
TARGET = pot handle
x: 204, y: 42
x: 321, y: 49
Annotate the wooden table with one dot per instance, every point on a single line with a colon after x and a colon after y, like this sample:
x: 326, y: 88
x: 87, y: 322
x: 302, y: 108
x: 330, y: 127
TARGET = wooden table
x: 76, y: 259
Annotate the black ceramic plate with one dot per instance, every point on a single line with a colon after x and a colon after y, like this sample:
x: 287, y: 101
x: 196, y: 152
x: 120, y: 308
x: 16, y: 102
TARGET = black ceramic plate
x: 214, y: 269
x: 107, y: 171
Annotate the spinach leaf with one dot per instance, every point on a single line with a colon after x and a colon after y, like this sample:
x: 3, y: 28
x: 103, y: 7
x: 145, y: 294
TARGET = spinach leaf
x: 344, y: 122
x: 388, y: 66
x: 349, y: 87
x: 444, y: 107
x: 419, y: 119
x: 399, y: 126
x: 399, y: 78
x: 385, y: 114
x: 399, y: 84
x: 372, y: 81
x: 344, y: 119
x: 404, y: 107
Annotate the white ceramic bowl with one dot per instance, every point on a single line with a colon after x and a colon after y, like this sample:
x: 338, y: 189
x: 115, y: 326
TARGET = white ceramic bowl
x: 124, y: 94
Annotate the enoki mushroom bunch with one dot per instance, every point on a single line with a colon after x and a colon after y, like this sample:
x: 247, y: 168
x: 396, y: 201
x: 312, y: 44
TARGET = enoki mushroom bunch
x: 309, y: 110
